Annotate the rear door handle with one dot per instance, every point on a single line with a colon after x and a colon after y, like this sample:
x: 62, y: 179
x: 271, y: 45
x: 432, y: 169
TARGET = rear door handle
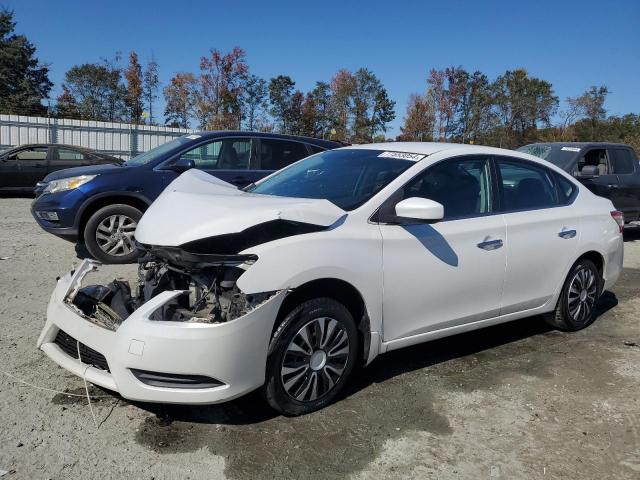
x: 567, y: 234
x: 490, y: 244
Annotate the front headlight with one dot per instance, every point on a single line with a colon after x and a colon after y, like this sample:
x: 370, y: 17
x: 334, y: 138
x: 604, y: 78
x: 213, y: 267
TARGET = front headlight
x: 70, y: 183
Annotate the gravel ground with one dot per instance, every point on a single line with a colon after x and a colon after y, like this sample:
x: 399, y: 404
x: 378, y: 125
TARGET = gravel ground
x: 513, y: 401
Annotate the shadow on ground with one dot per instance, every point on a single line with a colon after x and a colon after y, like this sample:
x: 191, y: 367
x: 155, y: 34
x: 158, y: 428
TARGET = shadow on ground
x: 385, y: 400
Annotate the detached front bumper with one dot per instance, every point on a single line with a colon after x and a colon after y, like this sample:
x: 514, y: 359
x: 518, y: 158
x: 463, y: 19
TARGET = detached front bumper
x: 233, y: 353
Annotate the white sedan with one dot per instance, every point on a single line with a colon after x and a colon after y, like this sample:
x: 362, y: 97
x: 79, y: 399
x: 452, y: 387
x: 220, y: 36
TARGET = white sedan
x: 287, y: 285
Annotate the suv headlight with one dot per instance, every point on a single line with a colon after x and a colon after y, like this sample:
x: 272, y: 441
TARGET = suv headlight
x: 70, y: 183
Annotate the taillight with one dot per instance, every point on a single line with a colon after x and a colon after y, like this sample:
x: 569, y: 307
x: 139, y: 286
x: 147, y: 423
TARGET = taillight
x: 618, y: 216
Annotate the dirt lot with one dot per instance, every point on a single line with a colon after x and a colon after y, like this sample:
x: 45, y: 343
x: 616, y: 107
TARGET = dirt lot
x: 514, y: 401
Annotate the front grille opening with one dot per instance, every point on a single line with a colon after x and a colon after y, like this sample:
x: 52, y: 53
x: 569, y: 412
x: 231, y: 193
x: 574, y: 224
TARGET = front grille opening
x: 175, y: 380
x: 88, y: 355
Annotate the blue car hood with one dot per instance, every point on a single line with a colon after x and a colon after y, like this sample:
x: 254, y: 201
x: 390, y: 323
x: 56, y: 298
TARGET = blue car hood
x: 89, y: 170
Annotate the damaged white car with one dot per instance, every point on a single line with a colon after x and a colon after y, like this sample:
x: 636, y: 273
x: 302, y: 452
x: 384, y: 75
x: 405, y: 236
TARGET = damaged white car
x: 289, y: 284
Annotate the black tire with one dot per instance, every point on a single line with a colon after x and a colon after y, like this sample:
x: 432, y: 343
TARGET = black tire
x: 102, y: 215
x: 576, y: 310
x: 310, y: 315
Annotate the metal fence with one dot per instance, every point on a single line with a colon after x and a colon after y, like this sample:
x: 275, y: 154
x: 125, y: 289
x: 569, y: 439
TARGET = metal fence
x: 119, y: 139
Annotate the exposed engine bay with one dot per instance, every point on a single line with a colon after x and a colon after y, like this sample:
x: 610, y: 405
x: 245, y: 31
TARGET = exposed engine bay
x: 208, y: 283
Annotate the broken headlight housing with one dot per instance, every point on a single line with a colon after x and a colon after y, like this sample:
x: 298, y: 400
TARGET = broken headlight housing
x: 207, y: 282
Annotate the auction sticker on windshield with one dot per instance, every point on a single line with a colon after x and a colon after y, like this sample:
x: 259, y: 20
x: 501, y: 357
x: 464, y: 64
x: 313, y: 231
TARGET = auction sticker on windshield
x: 402, y: 155
x: 570, y: 149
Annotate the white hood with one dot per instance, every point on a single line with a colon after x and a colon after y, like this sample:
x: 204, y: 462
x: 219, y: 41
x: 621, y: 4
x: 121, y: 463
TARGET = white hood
x: 197, y: 205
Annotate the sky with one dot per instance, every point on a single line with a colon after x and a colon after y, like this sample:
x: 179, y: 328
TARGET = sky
x: 572, y: 44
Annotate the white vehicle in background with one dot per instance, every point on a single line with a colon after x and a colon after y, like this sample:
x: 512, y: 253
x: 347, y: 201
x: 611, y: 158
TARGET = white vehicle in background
x: 287, y: 285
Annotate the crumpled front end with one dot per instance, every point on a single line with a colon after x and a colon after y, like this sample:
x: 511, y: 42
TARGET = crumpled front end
x: 184, y: 333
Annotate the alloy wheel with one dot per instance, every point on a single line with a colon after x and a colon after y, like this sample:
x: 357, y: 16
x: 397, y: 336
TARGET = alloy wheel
x: 114, y: 235
x: 583, y: 291
x: 315, y: 359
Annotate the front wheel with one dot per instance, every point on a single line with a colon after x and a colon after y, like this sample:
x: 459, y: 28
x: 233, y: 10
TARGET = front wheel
x: 108, y: 235
x: 311, y: 356
x: 576, y: 306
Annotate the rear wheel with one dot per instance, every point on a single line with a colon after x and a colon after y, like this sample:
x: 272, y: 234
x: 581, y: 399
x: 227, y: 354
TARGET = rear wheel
x: 108, y: 234
x: 576, y: 306
x: 311, y: 357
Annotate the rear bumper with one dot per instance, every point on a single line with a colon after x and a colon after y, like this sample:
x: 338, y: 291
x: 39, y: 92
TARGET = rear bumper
x: 233, y: 353
x: 613, y: 261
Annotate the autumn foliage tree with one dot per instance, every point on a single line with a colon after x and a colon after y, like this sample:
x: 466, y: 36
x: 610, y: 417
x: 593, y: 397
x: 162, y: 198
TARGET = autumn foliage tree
x: 133, y: 100
x: 66, y: 106
x: 218, y: 100
x: 342, y: 88
x: 419, y: 120
x: 179, y: 98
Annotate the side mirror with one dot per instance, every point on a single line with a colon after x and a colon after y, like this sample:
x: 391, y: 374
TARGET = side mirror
x: 589, y: 171
x: 421, y: 209
x: 182, y: 165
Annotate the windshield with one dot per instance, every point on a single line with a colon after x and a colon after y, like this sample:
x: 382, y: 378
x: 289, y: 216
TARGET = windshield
x: 347, y: 178
x: 154, y: 153
x: 560, y: 155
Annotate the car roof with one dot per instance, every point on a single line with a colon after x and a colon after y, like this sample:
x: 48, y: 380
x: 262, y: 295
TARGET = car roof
x: 240, y: 133
x: 581, y: 144
x: 63, y: 145
x: 429, y: 148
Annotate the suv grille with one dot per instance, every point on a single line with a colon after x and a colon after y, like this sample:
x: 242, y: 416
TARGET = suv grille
x: 69, y: 345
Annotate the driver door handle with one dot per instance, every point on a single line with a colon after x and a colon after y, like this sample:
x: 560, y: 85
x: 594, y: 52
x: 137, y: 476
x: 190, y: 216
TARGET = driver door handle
x: 490, y: 244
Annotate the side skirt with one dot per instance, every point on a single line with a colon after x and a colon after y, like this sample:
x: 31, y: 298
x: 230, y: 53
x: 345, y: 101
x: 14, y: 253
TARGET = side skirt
x: 466, y: 327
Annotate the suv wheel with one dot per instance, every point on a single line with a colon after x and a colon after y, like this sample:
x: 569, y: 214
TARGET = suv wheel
x: 108, y: 235
x: 311, y: 357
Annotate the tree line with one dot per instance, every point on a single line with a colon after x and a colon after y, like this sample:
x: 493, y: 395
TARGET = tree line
x: 512, y: 110
x: 455, y: 105
x: 225, y: 95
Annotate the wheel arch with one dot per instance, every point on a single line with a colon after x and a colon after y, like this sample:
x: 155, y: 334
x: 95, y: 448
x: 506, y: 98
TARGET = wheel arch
x: 596, y: 257
x: 137, y: 201
x: 340, y: 291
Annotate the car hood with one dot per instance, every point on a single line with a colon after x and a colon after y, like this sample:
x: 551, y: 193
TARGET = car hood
x: 197, y: 205
x: 88, y: 170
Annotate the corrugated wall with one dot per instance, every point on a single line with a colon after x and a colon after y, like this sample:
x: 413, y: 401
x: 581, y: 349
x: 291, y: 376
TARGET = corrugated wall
x: 119, y: 139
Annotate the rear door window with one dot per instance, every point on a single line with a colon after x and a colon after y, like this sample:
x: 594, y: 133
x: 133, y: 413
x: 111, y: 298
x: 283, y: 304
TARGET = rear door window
x: 277, y: 154
x: 67, y: 154
x: 623, y: 162
x: 525, y: 186
x: 566, y: 190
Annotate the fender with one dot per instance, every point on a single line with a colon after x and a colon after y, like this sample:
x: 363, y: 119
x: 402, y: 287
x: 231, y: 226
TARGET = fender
x: 112, y: 193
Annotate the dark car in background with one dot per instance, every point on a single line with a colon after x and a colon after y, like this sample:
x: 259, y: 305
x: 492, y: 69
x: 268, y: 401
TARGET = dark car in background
x: 99, y: 207
x: 21, y: 168
x: 610, y: 170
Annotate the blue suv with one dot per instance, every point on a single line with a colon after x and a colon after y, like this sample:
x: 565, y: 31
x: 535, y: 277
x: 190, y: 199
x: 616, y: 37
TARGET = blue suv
x: 100, y: 206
